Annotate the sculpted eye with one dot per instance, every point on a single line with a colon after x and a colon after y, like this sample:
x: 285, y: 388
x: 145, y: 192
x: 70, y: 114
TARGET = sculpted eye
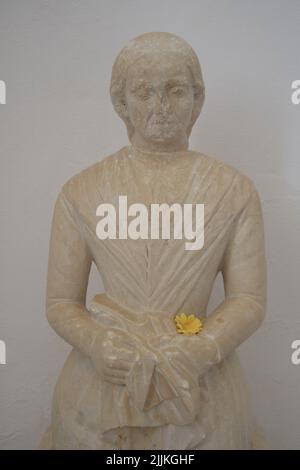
x: 177, y: 91
x: 143, y: 93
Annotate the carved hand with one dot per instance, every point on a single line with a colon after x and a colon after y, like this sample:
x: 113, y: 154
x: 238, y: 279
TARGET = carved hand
x: 196, y: 352
x: 113, y: 354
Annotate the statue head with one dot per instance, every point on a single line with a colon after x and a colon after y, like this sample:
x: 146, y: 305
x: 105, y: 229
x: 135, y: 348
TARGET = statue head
x: 157, y: 89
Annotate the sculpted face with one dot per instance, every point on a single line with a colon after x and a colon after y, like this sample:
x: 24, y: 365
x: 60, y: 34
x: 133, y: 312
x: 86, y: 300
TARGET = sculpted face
x: 158, y: 91
x: 159, y: 96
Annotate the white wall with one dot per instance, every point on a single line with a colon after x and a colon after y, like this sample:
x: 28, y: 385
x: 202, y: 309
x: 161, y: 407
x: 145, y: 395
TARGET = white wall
x: 56, y: 58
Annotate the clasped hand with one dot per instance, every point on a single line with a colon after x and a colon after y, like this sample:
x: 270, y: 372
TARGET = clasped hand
x: 114, y: 353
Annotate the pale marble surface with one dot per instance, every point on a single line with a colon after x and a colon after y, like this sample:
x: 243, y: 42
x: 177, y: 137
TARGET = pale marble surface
x: 145, y: 277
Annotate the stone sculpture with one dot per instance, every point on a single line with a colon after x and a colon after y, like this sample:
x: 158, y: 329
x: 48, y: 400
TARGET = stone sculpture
x: 131, y: 380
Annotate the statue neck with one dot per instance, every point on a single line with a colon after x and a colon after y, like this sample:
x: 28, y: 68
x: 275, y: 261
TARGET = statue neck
x: 157, y: 157
x: 178, y: 144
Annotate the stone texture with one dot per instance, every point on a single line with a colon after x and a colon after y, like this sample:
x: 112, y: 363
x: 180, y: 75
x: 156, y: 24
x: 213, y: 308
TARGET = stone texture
x: 131, y: 382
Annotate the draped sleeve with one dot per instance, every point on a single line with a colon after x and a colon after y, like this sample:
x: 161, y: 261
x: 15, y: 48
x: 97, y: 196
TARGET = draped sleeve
x: 69, y: 266
x: 245, y: 279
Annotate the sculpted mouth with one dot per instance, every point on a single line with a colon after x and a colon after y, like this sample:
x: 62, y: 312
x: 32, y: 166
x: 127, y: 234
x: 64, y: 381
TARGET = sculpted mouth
x: 160, y: 118
x: 163, y: 121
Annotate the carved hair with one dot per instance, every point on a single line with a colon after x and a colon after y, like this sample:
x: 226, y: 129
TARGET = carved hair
x: 148, y: 43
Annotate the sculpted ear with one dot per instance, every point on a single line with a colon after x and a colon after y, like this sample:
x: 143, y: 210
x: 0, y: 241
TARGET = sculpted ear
x: 123, y: 105
x: 199, y: 98
x: 120, y: 106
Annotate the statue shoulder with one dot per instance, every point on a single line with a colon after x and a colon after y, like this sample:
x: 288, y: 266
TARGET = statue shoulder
x: 80, y: 184
x: 230, y: 179
x: 244, y: 192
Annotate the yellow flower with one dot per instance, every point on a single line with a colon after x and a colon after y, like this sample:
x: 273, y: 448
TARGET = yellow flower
x: 188, y: 324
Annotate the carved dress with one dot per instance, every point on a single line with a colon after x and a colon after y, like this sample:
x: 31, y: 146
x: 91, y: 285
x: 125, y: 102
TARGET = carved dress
x: 146, y: 282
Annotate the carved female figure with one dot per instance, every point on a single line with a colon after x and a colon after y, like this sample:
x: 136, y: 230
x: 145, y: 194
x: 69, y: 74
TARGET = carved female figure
x: 131, y: 381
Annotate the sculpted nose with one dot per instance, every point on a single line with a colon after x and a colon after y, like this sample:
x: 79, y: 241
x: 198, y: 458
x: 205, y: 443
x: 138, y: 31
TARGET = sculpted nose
x: 161, y: 102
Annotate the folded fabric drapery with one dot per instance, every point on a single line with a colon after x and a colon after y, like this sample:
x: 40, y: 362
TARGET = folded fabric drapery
x: 163, y: 385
